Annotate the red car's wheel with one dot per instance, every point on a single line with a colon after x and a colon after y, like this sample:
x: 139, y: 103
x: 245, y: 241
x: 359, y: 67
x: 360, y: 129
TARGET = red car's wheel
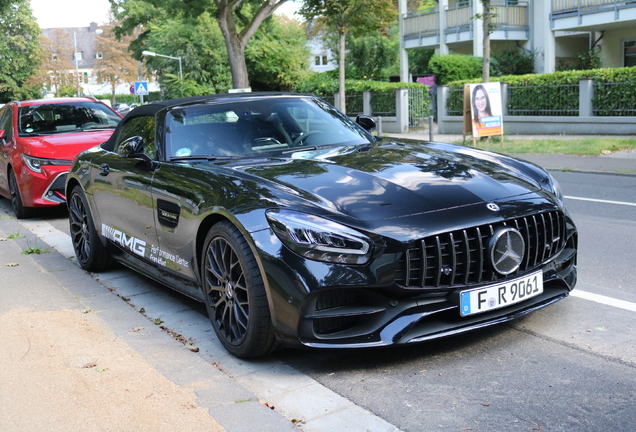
x: 21, y: 212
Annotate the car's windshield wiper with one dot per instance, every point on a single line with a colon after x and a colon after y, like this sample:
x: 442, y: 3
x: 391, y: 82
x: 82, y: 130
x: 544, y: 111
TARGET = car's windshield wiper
x: 60, y: 131
x: 99, y: 127
x: 202, y: 157
x: 310, y: 148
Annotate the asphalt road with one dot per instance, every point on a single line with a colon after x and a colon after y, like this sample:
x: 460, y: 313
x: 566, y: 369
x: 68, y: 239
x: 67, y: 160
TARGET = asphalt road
x: 568, y: 367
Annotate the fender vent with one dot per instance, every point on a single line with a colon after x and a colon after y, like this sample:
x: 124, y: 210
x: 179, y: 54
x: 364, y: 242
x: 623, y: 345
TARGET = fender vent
x: 168, y: 213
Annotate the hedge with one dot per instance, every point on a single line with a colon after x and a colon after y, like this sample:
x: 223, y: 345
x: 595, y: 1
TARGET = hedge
x: 538, y: 92
x: 382, y: 93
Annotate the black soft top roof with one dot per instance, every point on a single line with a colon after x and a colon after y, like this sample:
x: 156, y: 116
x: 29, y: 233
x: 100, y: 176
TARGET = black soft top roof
x: 154, y: 107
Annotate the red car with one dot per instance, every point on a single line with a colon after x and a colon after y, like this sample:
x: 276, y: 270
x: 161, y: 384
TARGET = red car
x: 39, y: 140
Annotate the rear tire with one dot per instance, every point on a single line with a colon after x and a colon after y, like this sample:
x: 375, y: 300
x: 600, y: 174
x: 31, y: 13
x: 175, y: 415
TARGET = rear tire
x: 21, y: 212
x: 235, y: 293
x: 89, y: 251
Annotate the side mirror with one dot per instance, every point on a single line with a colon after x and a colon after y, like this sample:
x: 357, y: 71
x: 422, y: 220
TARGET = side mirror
x: 2, y: 135
x: 367, y: 123
x: 131, y: 147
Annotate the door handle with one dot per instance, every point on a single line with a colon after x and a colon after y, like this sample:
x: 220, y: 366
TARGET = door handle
x: 104, y: 170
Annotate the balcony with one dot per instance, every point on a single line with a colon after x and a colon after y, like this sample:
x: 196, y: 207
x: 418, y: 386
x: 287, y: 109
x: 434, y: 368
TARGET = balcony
x: 592, y: 14
x: 422, y: 29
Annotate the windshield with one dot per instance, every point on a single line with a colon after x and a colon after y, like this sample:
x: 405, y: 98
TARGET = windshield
x: 54, y: 118
x: 259, y: 127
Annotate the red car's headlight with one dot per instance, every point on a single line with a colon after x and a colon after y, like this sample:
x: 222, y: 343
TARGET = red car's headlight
x: 35, y: 164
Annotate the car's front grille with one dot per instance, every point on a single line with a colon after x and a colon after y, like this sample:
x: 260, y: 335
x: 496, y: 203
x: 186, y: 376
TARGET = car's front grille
x: 461, y: 257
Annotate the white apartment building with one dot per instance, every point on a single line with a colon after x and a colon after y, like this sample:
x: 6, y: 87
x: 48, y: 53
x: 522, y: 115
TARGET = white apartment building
x: 556, y: 30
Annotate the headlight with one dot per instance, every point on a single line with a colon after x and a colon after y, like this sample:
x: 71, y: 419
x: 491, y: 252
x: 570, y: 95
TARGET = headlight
x: 551, y: 184
x: 35, y: 164
x: 320, y: 239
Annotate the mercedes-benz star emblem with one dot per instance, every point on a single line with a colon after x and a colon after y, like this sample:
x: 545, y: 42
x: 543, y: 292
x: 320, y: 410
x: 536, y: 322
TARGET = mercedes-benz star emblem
x: 492, y: 207
x: 507, y: 248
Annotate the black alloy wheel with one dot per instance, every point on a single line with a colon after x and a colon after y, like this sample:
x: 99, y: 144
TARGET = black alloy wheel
x: 89, y: 251
x: 235, y: 294
x: 21, y: 212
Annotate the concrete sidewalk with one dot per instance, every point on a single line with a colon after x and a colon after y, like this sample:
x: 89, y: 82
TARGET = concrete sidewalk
x: 76, y: 357
x: 620, y: 163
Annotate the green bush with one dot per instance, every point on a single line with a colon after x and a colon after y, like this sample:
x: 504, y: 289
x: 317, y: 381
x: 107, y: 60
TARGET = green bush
x: 455, y: 67
x: 557, y: 92
x: 514, y: 62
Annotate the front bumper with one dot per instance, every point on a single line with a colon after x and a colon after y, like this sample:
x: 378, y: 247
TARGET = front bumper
x: 43, y: 189
x: 380, y: 320
x: 330, y: 306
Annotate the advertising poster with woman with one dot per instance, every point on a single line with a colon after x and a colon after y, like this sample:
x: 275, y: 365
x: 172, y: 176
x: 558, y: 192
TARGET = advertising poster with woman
x: 486, y: 111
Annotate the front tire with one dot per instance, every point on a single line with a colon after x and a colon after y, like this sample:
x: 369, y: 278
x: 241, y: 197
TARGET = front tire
x: 235, y: 293
x: 21, y: 212
x: 89, y: 251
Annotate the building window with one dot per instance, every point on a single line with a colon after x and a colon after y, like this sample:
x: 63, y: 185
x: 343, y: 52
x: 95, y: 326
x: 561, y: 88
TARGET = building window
x: 85, y: 75
x: 79, y: 55
x: 321, y: 60
x: 629, y: 53
x: 55, y: 57
x: 99, y: 55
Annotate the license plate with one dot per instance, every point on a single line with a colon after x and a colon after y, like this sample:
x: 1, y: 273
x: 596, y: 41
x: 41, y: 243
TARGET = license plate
x: 492, y: 297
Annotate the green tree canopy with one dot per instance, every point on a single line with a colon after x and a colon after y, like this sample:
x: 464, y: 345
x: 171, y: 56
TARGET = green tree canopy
x: 238, y: 21
x: 277, y: 56
x: 19, y: 50
x: 349, y: 16
x: 373, y: 57
x: 198, y: 41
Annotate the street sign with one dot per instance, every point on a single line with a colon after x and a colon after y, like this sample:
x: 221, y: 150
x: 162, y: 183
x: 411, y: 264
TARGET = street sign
x: 141, y: 87
x: 132, y: 89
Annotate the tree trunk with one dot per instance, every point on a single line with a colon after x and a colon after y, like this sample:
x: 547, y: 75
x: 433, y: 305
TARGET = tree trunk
x: 234, y: 45
x: 341, y: 72
x: 235, y: 41
x: 485, y: 61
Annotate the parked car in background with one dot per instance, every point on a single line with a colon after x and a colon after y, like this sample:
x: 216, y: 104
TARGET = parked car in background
x: 122, y: 108
x: 39, y: 140
x: 295, y: 225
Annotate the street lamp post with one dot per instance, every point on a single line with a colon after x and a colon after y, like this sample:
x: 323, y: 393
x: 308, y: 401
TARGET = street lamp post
x: 153, y: 54
x: 77, y: 75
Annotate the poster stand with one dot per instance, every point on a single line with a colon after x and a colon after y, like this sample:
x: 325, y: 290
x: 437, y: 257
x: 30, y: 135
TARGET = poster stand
x: 468, y: 122
x: 469, y: 128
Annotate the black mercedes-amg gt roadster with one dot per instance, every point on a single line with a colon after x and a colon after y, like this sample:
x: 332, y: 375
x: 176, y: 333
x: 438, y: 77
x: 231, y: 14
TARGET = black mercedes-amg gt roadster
x: 296, y: 226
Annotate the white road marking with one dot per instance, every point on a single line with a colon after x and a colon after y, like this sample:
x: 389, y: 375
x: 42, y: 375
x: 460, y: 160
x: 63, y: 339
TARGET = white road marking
x: 600, y: 201
x: 609, y: 301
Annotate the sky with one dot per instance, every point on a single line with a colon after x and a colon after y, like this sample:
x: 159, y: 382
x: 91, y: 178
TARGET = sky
x: 80, y: 13
x: 70, y: 13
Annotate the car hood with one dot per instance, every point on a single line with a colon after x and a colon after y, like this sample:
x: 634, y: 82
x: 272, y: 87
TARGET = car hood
x: 64, y: 145
x: 393, y: 180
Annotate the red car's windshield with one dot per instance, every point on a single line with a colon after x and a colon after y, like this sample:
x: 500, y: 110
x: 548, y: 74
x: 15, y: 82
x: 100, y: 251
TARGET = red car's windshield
x: 53, y: 118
